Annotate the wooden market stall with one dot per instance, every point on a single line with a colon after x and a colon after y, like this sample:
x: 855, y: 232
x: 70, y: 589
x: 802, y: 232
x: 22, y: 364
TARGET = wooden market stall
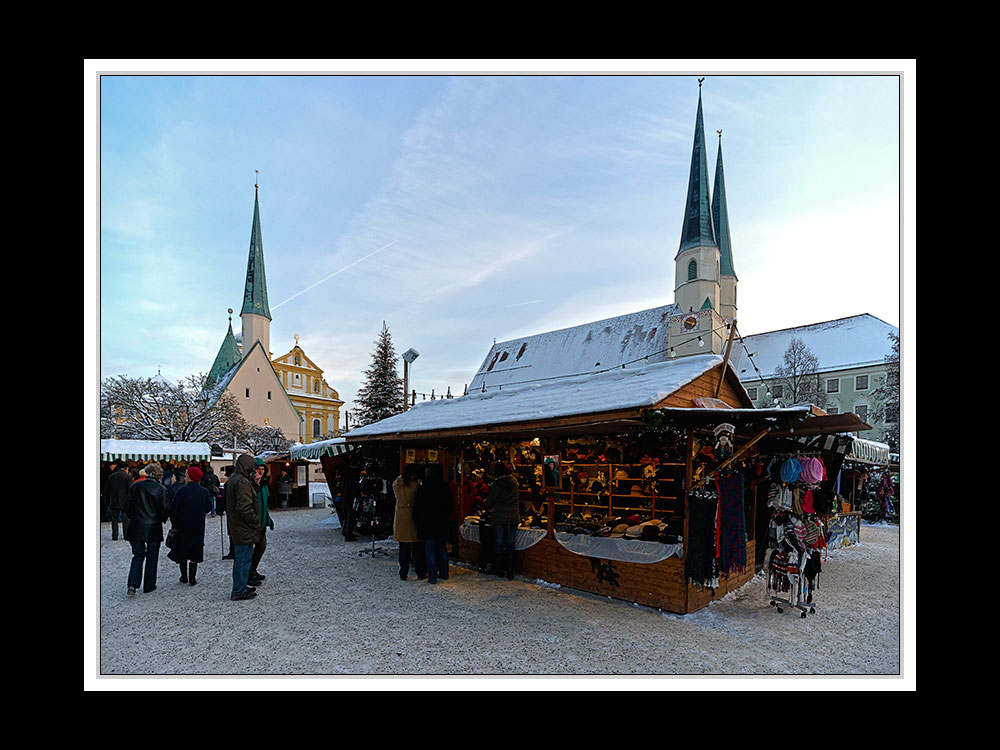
x: 617, y: 473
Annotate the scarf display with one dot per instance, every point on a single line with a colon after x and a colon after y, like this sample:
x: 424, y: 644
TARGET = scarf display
x: 732, y: 545
x: 699, y: 566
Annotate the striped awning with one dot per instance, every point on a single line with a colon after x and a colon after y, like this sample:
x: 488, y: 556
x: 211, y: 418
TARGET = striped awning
x: 334, y: 447
x: 154, y: 450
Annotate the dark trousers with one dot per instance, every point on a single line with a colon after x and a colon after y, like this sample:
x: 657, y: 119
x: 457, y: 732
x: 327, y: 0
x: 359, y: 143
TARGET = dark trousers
x: 142, y: 571
x: 436, y: 554
x: 258, y: 552
x: 412, y: 551
x: 116, y: 515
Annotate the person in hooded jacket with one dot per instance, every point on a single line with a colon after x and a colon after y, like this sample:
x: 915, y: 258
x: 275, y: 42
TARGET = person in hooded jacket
x: 504, y: 503
x: 263, y: 495
x: 116, y: 490
x: 210, y: 481
x: 187, y: 514
x: 404, y: 530
x: 432, y: 507
x: 244, y: 524
x: 146, y: 508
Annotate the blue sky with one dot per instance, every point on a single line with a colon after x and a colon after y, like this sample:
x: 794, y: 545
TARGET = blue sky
x: 466, y: 208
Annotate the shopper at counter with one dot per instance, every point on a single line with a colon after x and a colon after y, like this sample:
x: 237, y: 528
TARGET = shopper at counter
x: 504, y: 503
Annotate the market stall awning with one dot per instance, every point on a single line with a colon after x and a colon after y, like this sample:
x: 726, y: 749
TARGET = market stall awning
x: 868, y: 452
x: 154, y: 450
x: 334, y: 447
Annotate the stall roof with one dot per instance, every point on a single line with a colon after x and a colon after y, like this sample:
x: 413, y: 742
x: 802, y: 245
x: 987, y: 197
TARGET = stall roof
x: 607, y: 397
x: 154, y: 450
x: 332, y: 447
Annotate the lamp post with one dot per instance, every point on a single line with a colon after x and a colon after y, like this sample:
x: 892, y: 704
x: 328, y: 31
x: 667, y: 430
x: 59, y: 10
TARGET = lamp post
x: 408, y: 357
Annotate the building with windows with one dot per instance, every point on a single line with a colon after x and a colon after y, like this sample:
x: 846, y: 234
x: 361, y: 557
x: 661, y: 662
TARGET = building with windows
x: 314, y: 398
x: 851, y: 353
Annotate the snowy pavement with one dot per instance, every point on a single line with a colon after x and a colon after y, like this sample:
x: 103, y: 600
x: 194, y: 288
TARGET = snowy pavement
x: 325, y: 610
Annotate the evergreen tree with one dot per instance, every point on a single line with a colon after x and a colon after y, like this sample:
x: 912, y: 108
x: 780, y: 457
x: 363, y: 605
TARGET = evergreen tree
x: 885, y: 406
x: 381, y: 394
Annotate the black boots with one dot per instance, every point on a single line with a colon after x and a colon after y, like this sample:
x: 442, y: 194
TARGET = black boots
x: 188, y: 571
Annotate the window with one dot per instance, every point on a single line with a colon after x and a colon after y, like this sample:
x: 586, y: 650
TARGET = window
x: 862, y: 411
x: 692, y: 270
x: 752, y: 393
x: 833, y: 385
x: 861, y: 383
x: 833, y: 410
x: 316, y: 428
x: 248, y: 393
x: 268, y: 395
x: 777, y: 391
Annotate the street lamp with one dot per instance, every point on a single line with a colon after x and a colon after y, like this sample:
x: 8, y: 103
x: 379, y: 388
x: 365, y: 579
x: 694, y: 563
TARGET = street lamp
x: 408, y: 357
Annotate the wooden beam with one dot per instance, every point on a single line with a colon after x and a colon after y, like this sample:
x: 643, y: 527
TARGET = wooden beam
x: 725, y: 360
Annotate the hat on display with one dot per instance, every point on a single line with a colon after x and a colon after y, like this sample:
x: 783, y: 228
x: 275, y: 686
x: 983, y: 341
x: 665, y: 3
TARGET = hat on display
x: 813, y: 470
x: 619, y: 530
x: 790, y: 470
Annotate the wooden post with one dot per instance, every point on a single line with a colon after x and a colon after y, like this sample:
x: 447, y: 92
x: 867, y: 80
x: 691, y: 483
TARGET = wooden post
x: 725, y: 360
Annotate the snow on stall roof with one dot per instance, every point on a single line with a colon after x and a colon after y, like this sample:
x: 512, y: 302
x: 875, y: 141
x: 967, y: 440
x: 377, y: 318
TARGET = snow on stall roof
x: 629, y: 388
x: 856, y: 341
x: 577, y: 350
x: 153, y: 448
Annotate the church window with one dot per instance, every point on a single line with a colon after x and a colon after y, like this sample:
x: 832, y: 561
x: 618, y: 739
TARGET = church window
x: 247, y: 392
x: 692, y: 270
x: 268, y: 395
x: 316, y: 428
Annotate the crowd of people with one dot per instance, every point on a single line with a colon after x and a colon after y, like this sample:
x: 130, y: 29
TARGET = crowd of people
x: 424, y: 505
x: 142, y: 500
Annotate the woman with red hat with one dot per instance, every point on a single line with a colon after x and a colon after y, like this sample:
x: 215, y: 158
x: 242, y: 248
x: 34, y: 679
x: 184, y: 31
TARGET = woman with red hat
x: 187, y: 515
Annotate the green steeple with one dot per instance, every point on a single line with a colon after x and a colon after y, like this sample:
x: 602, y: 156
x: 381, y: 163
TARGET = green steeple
x: 255, y: 292
x: 229, y: 355
x: 720, y: 215
x: 697, y: 230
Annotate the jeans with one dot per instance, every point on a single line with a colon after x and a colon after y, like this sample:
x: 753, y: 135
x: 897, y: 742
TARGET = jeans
x: 243, y: 553
x: 412, y: 551
x: 144, y: 575
x: 503, y: 547
x: 437, y: 559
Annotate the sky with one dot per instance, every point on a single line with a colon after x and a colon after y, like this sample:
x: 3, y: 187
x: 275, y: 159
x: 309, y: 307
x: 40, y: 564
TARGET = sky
x: 463, y: 208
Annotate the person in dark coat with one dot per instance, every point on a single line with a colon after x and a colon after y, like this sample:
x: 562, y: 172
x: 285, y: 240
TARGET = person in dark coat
x: 116, y: 490
x: 210, y: 481
x: 263, y: 494
x: 504, y: 503
x: 432, y: 507
x: 187, y: 514
x: 146, y: 508
x: 244, y: 524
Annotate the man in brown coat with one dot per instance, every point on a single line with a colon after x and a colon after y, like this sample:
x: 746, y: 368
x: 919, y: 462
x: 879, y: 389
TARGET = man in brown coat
x: 244, y: 524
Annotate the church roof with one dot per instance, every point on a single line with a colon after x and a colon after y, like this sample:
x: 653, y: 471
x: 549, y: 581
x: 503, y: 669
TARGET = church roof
x: 697, y: 229
x: 720, y: 217
x: 583, y: 349
x: 255, y: 292
x: 228, y: 356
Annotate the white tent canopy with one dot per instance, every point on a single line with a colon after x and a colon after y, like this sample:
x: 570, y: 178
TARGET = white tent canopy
x: 333, y: 447
x: 154, y: 450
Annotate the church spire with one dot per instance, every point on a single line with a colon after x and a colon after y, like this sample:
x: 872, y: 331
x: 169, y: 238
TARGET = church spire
x: 228, y: 356
x: 697, y: 230
x: 720, y: 217
x: 255, y: 291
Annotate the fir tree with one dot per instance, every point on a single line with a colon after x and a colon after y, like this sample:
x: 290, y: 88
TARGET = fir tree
x: 381, y: 394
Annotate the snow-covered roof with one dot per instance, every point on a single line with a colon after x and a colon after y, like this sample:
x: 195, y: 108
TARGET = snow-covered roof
x: 856, y: 341
x: 615, y: 390
x: 333, y: 447
x: 154, y: 450
x: 587, y: 348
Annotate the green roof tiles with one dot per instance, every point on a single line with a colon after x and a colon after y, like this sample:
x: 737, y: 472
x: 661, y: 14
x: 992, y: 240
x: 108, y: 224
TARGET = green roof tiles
x: 229, y: 355
x: 255, y: 292
x: 720, y: 216
x: 698, y: 229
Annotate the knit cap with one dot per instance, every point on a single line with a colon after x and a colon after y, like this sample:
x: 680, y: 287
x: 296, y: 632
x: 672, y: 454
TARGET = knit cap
x: 790, y: 470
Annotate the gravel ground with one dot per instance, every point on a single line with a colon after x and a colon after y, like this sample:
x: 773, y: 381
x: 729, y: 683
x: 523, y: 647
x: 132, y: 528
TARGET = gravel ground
x: 326, y: 611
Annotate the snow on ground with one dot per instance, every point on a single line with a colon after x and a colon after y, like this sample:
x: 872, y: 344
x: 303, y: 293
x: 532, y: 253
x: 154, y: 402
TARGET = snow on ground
x: 327, y: 610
